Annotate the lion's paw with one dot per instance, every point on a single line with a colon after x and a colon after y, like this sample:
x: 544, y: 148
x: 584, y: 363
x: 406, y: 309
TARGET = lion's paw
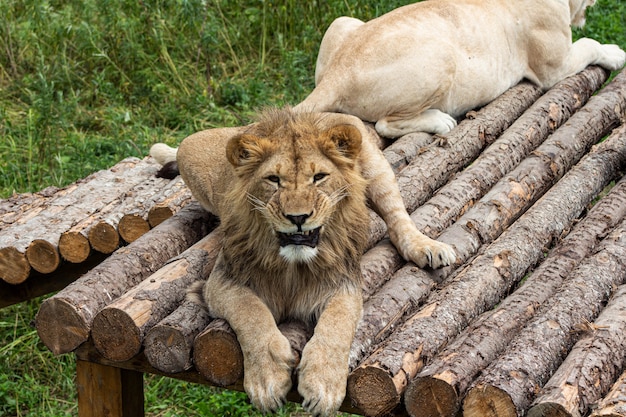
x: 613, y: 58
x: 434, y: 254
x: 322, y: 377
x: 267, y: 374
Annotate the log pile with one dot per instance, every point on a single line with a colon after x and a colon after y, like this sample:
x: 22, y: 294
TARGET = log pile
x: 42, y: 232
x: 530, y: 320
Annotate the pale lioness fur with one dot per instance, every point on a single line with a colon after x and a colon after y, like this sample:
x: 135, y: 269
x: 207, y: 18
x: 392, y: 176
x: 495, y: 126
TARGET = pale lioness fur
x: 291, y: 194
x: 421, y: 66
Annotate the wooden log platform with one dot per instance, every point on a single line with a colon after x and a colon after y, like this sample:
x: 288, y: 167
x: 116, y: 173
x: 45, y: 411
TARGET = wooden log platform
x: 530, y: 191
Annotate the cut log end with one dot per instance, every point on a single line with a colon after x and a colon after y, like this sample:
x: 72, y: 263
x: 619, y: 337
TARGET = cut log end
x: 217, y: 354
x: 167, y: 349
x: 14, y: 267
x: 548, y: 410
x: 104, y: 238
x: 60, y: 326
x: 431, y: 397
x: 372, y: 391
x: 43, y: 256
x: 158, y: 214
x: 74, y: 247
x: 488, y: 401
x: 131, y: 227
x: 115, y: 335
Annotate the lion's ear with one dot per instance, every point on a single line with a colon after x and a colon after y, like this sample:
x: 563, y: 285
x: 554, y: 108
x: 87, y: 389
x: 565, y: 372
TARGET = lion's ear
x: 347, y: 140
x: 244, y: 149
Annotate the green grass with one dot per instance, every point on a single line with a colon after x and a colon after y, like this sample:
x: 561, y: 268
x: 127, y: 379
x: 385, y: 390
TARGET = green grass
x: 86, y: 83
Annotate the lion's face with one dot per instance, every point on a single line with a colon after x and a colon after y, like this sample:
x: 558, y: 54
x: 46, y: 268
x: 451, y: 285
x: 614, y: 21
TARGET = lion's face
x: 297, y: 180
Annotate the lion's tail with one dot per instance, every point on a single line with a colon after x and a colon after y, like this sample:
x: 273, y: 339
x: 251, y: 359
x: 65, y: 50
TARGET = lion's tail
x: 166, y: 156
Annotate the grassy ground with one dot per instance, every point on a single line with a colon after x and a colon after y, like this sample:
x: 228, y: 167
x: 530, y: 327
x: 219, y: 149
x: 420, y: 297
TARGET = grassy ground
x: 84, y: 83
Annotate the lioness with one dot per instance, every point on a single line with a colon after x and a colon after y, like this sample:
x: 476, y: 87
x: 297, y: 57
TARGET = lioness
x: 420, y: 66
x: 291, y: 194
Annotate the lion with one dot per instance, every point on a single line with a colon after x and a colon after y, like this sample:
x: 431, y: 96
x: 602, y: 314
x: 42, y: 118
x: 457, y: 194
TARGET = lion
x: 292, y: 193
x: 422, y: 66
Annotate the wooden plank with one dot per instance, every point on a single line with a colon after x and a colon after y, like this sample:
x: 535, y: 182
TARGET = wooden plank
x: 107, y: 391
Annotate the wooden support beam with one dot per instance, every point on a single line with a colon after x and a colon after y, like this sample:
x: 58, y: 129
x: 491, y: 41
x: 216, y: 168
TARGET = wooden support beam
x: 107, y: 391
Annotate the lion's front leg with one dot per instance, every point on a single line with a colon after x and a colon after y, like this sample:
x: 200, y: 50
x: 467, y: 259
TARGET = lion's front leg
x: 268, y: 358
x: 385, y: 197
x: 323, y: 369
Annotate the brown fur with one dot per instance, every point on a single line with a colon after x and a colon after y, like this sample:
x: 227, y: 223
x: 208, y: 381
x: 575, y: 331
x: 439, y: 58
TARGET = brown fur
x: 312, y: 171
x: 291, y: 289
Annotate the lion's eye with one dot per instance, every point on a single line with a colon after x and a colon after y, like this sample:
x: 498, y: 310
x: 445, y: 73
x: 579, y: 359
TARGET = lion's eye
x: 273, y: 178
x: 319, y: 176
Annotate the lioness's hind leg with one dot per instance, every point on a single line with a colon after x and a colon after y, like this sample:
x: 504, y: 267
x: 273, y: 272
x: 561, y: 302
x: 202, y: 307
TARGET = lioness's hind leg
x: 430, y: 120
x: 336, y: 33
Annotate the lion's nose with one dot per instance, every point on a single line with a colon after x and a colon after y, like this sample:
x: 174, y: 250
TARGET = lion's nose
x: 297, y: 219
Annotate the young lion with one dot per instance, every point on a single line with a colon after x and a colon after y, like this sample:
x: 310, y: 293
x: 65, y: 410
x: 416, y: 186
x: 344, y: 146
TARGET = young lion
x: 419, y: 67
x: 291, y: 194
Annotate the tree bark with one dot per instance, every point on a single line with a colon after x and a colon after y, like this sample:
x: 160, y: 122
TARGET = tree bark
x: 483, y: 283
x: 443, y: 382
x: 168, y: 345
x: 536, y: 352
x: 18, y: 206
x: 118, y: 330
x: 64, y: 320
x: 173, y: 198
x: 46, y: 223
x: 614, y: 403
x: 591, y: 367
x: 434, y: 165
x: 406, y: 148
x: 460, y: 194
x: 397, y: 298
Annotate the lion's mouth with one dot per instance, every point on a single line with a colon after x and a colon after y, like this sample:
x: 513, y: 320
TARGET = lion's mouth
x: 305, y: 238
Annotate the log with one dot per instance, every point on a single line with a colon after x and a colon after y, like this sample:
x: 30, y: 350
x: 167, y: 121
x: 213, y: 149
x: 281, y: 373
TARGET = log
x: 217, y: 354
x: 64, y: 320
x: 17, y: 206
x: 169, y: 343
x: 483, y: 283
x: 406, y: 148
x: 535, y: 353
x: 218, y: 357
x: 46, y: 223
x: 545, y: 115
x: 118, y: 330
x: 39, y: 284
x: 443, y: 382
x: 173, y: 198
x: 614, y: 403
x: 592, y: 365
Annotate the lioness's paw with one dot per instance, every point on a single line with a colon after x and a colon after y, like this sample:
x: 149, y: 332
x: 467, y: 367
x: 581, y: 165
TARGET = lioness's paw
x: 434, y: 254
x: 322, y: 377
x: 614, y: 57
x: 267, y: 373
